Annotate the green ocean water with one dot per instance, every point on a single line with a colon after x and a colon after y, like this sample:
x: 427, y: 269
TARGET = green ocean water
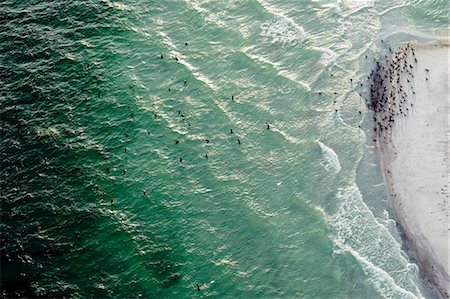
x: 109, y: 108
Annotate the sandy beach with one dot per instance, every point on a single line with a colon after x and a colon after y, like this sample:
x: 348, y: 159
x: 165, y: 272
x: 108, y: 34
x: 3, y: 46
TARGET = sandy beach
x: 411, y: 136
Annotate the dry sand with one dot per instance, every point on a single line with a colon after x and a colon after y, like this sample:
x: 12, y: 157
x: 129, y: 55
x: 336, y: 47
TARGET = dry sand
x: 414, y: 158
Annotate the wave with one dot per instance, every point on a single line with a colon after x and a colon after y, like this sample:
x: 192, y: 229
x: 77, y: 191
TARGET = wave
x: 283, y: 23
x: 286, y: 136
x: 330, y: 159
x: 289, y: 75
x: 357, y: 231
x: 329, y: 57
x: 182, y: 60
x: 281, y: 28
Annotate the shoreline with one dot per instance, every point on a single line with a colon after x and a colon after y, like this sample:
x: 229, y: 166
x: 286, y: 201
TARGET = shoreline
x: 409, y: 97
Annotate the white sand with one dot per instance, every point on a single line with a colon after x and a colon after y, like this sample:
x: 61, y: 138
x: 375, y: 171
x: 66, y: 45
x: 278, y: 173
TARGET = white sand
x: 415, y: 163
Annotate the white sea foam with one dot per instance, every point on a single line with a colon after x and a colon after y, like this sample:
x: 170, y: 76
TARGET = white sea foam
x: 286, y: 136
x: 283, y: 24
x: 255, y: 207
x: 196, y: 6
x: 50, y: 131
x: 118, y: 5
x: 330, y: 159
x: 291, y: 76
x: 382, y: 281
x: 217, y: 19
x: 182, y: 60
x: 281, y: 28
x: 328, y: 57
x: 357, y: 231
x: 260, y: 58
x: 391, y: 8
x: 282, y: 31
x: 175, y: 124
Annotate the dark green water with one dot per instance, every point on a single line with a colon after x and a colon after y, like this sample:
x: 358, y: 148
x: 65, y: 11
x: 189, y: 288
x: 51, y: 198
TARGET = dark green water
x: 95, y: 201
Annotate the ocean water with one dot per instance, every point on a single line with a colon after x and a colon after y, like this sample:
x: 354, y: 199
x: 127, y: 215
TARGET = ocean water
x: 109, y: 108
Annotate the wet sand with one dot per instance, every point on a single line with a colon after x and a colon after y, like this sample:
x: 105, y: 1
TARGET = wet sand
x: 411, y: 137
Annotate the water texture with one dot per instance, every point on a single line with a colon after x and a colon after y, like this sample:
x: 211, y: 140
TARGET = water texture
x: 150, y: 146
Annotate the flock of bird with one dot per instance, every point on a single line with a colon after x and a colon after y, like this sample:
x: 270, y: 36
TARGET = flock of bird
x: 392, y: 93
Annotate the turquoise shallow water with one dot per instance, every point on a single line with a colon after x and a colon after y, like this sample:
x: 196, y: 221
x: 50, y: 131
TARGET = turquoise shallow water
x: 95, y: 201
